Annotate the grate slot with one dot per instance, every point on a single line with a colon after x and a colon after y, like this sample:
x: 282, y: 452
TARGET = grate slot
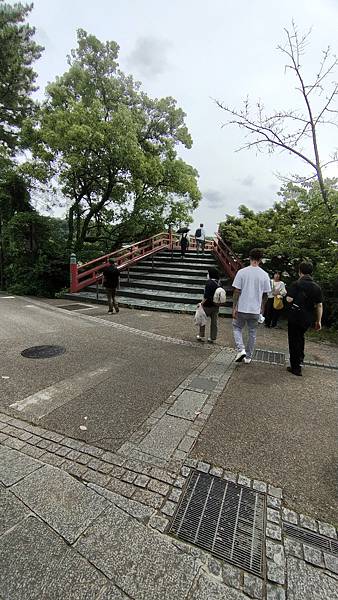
x: 312, y: 538
x: 223, y: 518
x: 269, y: 356
x: 311, y: 363
x: 75, y: 306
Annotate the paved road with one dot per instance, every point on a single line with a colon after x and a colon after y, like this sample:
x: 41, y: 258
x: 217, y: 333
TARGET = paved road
x: 108, y: 380
x: 182, y: 326
x: 272, y: 426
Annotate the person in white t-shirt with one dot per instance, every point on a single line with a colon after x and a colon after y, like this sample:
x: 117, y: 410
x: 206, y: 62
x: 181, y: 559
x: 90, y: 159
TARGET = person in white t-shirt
x: 200, y: 238
x: 251, y: 287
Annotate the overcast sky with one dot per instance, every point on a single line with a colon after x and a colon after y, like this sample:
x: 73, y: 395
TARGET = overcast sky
x: 197, y: 50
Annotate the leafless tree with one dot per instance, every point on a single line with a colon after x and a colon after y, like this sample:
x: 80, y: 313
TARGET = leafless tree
x: 289, y: 130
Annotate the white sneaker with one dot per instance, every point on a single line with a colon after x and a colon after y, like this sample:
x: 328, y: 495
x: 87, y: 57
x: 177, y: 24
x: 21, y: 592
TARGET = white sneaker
x: 200, y: 338
x: 210, y: 341
x: 247, y: 360
x: 240, y: 355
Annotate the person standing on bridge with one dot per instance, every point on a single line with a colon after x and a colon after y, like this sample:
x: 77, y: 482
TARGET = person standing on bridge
x: 184, y: 243
x: 200, y: 238
x: 111, y: 279
x: 251, y: 287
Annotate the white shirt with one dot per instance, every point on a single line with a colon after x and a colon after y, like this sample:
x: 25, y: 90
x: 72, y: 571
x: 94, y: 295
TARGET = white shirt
x: 202, y: 236
x: 253, y: 283
x: 278, y: 287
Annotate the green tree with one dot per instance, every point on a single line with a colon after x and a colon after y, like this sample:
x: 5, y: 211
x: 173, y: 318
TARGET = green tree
x: 298, y: 227
x: 14, y: 198
x: 37, y: 262
x: 18, y: 51
x: 112, y: 148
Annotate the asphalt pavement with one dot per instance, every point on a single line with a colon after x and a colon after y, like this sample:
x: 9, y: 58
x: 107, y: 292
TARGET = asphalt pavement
x: 274, y: 426
x: 109, y: 380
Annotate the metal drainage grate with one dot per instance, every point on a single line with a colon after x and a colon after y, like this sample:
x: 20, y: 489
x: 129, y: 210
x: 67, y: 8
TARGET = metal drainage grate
x: 43, y: 351
x: 311, y: 363
x: 269, y: 356
x: 224, y: 518
x: 74, y: 306
x: 309, y: 537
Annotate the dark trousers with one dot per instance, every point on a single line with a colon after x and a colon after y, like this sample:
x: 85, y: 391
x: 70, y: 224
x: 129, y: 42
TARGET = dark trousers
x: 296, y: 345
x: 111, y: 296
x: 271, y: 314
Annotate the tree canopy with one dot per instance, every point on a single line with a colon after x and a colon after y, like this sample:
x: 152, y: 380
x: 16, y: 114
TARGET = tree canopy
x: 18, y: 51
x: 112, y: 148
x: 296, y: 228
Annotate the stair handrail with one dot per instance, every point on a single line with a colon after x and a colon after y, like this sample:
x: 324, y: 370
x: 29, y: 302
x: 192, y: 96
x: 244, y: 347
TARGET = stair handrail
x: 83, y: 275
x: 227, y: 257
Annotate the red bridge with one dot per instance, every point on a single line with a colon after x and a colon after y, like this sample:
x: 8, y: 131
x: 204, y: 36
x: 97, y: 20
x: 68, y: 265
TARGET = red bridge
x: 153, y: 274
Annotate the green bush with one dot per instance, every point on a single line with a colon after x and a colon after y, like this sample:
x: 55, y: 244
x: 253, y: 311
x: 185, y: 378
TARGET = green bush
x: 36, y: 258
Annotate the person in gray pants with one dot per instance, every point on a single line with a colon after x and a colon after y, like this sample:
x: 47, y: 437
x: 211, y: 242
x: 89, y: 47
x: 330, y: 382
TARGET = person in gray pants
x: 251, y: 287
x: 210, y: 309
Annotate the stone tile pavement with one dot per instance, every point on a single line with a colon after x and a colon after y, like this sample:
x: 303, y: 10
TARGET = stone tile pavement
x: 65, y: 538
x: 79, y: 522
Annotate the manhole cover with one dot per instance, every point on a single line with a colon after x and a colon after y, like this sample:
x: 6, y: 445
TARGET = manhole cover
x: 74, y: 306
x: 224, y: 518
x: 312, y: 538
x: 43, y: 351
x: 269, y: 356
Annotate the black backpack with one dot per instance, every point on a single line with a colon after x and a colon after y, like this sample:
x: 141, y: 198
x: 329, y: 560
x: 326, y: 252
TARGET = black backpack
x: 198, y: 233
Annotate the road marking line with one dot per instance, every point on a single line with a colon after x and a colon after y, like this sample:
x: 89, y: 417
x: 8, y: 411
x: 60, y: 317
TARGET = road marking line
x: 7, y: 297
x: 44, y: 401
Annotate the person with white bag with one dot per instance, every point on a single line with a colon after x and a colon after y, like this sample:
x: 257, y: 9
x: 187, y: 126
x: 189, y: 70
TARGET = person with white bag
x: 214, y: 297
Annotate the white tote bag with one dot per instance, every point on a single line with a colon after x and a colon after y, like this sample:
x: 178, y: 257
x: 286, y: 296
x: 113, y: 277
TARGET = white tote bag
x: 200, y: 316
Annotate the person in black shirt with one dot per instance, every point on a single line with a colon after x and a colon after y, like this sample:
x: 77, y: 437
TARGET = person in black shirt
x: 184, y: 243
x: 111, y: 278
x: 210, y: 309
x: 305, y: 298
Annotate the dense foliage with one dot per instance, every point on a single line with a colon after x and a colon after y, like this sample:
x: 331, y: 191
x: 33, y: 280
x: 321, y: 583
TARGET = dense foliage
x: 99, y: 141
x: 18, y: 51
x: 298, y: 227
x: 37, y: 263
x: 113, y: 150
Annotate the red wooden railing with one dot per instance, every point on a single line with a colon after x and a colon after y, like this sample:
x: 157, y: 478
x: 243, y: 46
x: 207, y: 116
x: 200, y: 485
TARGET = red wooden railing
x: 81, y: 276
x: 91, y: 272
x: 228, y: 259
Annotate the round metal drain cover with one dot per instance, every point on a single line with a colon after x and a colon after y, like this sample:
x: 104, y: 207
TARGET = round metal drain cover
x: 43, y: 351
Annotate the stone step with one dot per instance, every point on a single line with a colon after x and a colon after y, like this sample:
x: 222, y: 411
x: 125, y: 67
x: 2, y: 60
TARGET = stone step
x: 138, y: 303
x: 143, y: 268
x: 179, y: 264
x: 162, y: 296
x: 191, y: 253
x: 154, y: 284
x: 167, y: 277
x: 162, y: 256
x: 200, y: 258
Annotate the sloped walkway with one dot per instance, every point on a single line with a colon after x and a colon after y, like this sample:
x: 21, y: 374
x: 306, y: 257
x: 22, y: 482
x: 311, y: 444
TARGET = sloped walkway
x: 80, y: 522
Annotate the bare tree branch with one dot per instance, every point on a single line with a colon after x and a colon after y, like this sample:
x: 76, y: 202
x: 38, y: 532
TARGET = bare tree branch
x: 279, y: 130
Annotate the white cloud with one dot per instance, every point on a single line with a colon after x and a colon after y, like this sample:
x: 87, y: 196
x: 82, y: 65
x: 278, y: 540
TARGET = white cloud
x: 149, y: 56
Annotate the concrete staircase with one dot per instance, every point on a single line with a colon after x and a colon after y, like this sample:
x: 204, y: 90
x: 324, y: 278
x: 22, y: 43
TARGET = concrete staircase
x: 162, y: 282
